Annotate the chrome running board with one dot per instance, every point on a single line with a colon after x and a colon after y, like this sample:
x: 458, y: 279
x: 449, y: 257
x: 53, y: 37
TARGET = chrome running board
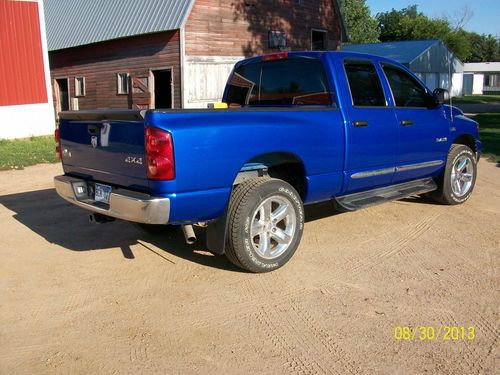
x: 353, y: 202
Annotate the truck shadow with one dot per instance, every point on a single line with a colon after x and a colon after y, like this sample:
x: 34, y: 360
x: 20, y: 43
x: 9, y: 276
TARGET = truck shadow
x: 65, y: 225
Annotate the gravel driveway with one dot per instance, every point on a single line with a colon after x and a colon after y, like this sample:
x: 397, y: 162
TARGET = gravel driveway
x: 77, y: 298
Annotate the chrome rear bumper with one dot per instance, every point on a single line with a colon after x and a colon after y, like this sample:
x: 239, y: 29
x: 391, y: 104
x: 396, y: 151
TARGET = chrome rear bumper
x: 123, y: 204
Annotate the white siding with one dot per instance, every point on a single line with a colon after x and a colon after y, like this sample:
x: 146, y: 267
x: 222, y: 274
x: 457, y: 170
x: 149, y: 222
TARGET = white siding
x: 20, y: 121
x: 205, y: 78
x: 477, y: 85
x: 432, y: 80
x: 457, y: 84
x: 490, y: 67
x: 444, y: 81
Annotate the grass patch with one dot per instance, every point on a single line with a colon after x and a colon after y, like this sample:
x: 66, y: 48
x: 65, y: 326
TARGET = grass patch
x: 20, y: 153
x: 476, y: 99
x: 489, y: 134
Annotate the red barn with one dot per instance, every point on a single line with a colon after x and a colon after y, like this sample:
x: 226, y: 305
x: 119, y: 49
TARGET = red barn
x: 172, y: 53
x: 25, y: 92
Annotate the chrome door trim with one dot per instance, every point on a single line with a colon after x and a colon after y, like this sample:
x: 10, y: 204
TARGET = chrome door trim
x: 376, y: 172
x: 410, y: 167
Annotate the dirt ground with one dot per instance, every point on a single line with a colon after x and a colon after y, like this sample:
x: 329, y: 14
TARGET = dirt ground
x: 77, y: 298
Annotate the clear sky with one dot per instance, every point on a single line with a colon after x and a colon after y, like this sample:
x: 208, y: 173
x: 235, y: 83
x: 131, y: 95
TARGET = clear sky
x: 485, y: 18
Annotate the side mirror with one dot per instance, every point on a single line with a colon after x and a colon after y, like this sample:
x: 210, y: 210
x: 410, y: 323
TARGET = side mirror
x: 441, y: 96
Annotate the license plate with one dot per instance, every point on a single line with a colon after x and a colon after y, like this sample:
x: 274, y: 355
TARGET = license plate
x: 102, y: 193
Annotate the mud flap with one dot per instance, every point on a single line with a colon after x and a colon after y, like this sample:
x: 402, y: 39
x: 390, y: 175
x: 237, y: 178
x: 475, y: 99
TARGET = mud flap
x: 217, y: 229
x: 216, y: 234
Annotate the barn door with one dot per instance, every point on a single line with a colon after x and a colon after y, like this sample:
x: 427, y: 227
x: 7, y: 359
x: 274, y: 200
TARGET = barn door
x: 141, y: 95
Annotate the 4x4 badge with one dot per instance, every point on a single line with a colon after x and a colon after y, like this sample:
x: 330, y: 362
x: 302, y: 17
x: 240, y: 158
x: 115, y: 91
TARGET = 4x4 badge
x: 93, y: 141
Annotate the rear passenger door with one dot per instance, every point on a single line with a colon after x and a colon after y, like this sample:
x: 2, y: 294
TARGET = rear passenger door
x: 371, y: 128
x: 422, y: 127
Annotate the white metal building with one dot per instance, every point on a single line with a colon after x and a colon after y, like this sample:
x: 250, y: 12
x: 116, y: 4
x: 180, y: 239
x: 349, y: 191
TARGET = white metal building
x: 482, y: 78
x: 431, y: 60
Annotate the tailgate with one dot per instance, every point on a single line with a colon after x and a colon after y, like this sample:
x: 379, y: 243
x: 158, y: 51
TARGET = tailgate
x: 105, y: 146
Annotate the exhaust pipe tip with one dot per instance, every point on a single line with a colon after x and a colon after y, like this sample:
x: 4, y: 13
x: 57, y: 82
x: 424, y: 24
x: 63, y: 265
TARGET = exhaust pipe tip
x: 191, y: 240
x: 189, y: 235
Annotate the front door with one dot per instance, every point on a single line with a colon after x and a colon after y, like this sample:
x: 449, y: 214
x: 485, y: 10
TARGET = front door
x: 371, y: 128
x: 423, y: 128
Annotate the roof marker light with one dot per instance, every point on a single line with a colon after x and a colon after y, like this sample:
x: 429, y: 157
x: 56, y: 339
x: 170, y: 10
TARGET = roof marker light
x: 275, y: 56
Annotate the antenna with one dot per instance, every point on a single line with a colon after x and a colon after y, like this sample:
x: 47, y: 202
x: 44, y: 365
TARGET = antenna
x: 450, y: 82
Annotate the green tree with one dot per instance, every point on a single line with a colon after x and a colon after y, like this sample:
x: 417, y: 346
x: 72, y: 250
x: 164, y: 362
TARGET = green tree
x: 361, y: 26
x: 410, y: 24
x: 491, y: 48
x: 458, y: 41
x: 476, y: 43
x: 482, y: 47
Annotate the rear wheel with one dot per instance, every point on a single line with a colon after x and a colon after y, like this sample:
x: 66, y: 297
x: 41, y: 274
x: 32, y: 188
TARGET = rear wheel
x: 265, y: 224
x: 458, y: 180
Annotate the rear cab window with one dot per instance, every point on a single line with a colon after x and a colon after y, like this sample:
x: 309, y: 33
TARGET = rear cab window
x: 288, y: 82
x: 364, y: 84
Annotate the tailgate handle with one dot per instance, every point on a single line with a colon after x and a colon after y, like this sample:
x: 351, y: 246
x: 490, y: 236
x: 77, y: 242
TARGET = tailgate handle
x: 94, y: 129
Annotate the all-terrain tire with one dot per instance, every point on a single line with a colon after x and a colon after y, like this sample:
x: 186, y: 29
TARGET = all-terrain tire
x: 457, y: 182
x: 257, y: 204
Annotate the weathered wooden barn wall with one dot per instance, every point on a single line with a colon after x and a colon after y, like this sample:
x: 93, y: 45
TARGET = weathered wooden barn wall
x: 101, y: 62
x: 241, y: 27
x: 217, y: 34
x: 220, y: 32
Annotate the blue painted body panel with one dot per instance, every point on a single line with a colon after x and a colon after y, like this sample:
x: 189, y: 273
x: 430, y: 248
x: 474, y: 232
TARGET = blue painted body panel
x: 212, y: 146
x: 368, y: 148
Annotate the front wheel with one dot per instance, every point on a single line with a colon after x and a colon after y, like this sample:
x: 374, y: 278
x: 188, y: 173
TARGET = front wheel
x: 458, y: 180
x: 265, y: 224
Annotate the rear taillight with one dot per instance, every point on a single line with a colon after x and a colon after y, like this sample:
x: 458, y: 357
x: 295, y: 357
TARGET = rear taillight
x: 57, y: 138
x: 159, y: 154
x: 275, y: 56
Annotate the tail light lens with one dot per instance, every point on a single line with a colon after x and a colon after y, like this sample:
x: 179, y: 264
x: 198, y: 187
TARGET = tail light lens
x: 58, y: 144
x: 159, y: 154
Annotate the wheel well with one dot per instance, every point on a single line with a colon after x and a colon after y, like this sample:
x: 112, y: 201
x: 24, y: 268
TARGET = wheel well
x: 467, y: 140
x: 285, y: 166
x: 293, y: 173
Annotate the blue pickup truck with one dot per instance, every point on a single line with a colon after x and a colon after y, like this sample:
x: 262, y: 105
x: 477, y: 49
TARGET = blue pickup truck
x: 299, y: 128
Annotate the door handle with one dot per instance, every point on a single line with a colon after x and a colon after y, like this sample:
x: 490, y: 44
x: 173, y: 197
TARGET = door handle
x: 406, y: 122
x: 360, y: 123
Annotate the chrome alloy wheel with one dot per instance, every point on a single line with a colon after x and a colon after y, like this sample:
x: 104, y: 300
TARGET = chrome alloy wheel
x: 462, y: 176
x: 273, y: 227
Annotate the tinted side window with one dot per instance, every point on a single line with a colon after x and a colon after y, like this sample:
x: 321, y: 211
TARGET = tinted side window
x: 366, y: 89
x: 296, y: 82
x: 406, y: 90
